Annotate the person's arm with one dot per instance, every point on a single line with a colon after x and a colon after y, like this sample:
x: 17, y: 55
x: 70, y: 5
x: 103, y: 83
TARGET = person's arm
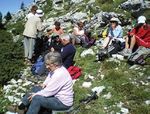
x: 141, y: 42
x: 47, y: 79
x: 40, y: 27
x: 53, y: 87
x: 62, y: 31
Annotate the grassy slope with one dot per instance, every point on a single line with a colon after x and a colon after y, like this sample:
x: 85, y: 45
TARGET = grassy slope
x: 118, y: 82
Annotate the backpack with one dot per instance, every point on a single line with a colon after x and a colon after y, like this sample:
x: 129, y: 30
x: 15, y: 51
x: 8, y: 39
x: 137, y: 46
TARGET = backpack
x: 114, y: 48
x: 139, y: 56
x: 38, y: 68
x: 74, y: 71
x: 105, y: 33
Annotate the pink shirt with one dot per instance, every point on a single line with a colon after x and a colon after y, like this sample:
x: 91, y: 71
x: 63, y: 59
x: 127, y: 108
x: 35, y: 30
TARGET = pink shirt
x: 59, y: 84
x: 58, y: 32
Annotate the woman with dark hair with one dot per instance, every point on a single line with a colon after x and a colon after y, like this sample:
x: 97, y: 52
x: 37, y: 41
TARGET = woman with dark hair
x: 115, y: 32
x: 140, y: 35
x: 57, y: 30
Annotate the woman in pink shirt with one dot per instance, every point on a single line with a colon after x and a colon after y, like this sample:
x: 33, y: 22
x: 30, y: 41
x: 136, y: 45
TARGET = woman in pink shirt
x: 56, y: 93
x: 57, y: 30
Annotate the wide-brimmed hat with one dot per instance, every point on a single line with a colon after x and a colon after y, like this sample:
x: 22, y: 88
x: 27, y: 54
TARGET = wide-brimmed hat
x: 114, y: 19
x: 141, y: 19
x: 39, y: 13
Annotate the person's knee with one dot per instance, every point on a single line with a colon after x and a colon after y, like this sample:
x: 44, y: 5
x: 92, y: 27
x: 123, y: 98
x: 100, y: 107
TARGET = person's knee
x: 36, y: 98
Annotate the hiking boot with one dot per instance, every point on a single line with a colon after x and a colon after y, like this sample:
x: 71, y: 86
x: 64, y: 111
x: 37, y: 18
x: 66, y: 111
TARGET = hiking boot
x: 15, y: 109
x: 20, y: 111
x: 12, y: 108
x: 126, y: 52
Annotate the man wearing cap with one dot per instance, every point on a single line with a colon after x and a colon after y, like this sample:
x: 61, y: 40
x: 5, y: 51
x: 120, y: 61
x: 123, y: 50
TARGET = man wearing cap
x: 32, y: 26
x: 140, y: 35
x: 115, y: 32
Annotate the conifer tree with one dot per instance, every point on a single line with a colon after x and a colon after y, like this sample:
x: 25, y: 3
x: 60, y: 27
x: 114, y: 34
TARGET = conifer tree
x: 8, y: 16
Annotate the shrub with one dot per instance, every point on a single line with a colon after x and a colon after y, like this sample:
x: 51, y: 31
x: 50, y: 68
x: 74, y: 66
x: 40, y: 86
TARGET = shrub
x: 11, y: 57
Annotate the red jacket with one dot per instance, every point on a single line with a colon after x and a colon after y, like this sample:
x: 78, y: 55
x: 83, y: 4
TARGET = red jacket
x: 142, y: 36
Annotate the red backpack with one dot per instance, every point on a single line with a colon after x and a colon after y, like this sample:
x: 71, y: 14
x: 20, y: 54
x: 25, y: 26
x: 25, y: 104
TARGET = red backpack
x: 74, y: 71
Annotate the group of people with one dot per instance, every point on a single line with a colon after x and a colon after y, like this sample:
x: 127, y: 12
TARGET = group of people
x: 136, y: 41
x: 56, y: 92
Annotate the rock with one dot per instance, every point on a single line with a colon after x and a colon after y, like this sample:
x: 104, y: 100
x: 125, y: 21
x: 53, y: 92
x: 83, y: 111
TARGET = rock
x: 98, y: 89
x: 91, y: 2
x: 87, y: 52
x: 91, y: 77
x: 125, y: 110
x: 133, y: 67
x: 57, y: 1
x: 119, y: 105
x: 76, y: 1
x: 107, y: 96
x: 117, y: 56
x: 79, y: 15
x: 10, y: 98
x: 86, y: 84
x: 147, y: 102
x: 13, y: 81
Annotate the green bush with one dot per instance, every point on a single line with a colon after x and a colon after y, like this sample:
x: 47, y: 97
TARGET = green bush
x: 11, y: 57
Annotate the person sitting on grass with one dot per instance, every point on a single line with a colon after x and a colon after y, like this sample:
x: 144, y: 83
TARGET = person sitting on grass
x: 140, y: 36
x: 78, y: 35
x: 56, y: 93
x: 57, y: 30
x: 68, y: 51
x: 115, y: 32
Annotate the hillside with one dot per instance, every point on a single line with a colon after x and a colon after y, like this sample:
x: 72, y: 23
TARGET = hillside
x: 123, y: 89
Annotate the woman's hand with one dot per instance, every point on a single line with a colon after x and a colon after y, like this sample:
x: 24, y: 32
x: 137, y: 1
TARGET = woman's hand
x: 31, y: 96
x: 43, y: 86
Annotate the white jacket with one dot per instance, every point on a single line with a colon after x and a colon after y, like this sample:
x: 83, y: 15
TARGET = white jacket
x: 32, y: 26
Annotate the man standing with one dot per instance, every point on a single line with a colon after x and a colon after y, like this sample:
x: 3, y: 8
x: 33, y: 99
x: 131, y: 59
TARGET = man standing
x: 32, y: 26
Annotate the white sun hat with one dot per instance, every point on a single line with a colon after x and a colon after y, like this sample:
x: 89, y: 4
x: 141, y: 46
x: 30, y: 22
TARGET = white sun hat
x: 114, y: 19
x: 141, y: 19
x: 39, y: 13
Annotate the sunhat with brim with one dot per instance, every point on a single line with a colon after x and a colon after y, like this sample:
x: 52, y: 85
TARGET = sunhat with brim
x: 114, y: 19
x: 141, y: 19
x: 39, y: 13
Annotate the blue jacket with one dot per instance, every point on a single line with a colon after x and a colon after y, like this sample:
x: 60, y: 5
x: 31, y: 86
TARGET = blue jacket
x: 68, y: 53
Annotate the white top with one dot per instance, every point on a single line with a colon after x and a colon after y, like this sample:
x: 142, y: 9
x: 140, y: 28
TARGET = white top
x: 29, y: 15
x: 32, y: 26
x: 78, y: 32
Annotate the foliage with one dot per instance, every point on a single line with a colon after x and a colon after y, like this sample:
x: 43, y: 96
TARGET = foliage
x: 1, y: 16
x: 11, y: 57
x: 22, y: 7
x: 8, y: 16
x: 17, y: 28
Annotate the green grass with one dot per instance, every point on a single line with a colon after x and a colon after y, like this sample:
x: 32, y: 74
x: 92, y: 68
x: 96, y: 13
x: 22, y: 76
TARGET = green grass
x: 118, y: 82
